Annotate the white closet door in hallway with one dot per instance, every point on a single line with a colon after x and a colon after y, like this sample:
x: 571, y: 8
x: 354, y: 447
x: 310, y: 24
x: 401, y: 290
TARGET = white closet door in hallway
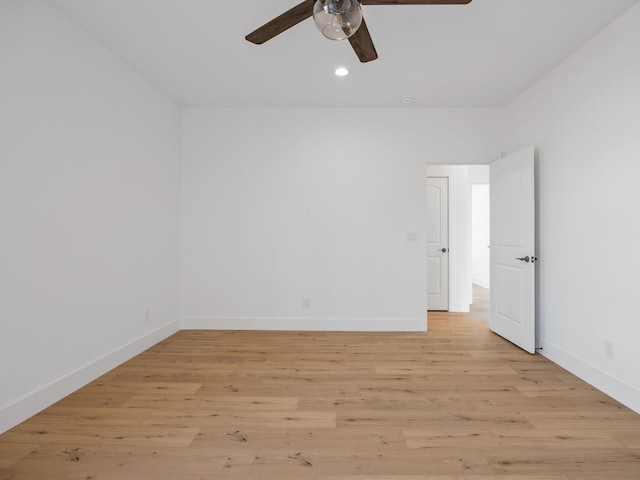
x: 438, y: 243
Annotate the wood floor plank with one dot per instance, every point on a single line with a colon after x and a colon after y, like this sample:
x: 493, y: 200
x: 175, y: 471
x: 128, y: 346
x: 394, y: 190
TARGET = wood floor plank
x: 287, y: 461
x: 329, y: 441
x: 22, y: 474
x: 434, y: 419
x: 76, y: 435
x: 12, y: 452
x: 242, y: 419
x: 89, y: 416
x: 441, y: 477
x: 88, y: 398
x: 211, y: 403
x: 144, y: 460
x: 606, y: 419
x: 387, y: 401
x: 457, y: 368
x: 147, y: 387
x: 593, y: 461
x: 489, y: 440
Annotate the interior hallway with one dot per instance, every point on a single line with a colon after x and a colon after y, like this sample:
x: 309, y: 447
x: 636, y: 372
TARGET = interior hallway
x: 480, y: 308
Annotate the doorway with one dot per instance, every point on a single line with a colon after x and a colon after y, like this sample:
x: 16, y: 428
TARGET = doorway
x: 512, y: 232
x: 460, y: 252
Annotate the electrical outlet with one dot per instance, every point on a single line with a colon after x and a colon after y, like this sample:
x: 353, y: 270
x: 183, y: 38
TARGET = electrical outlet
x: 608, y: 348
x: 412, y: 237
x: 147, y: 315
x: 306, y: 303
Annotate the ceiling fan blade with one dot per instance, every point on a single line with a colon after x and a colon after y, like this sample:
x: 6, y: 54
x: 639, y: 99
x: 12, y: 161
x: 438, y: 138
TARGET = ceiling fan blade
x: 415, y: 2
x: 362, y: 44
x: 288, y: 19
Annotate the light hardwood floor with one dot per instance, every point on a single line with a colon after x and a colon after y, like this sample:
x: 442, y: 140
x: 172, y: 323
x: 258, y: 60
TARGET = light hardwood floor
x: 457, y: 402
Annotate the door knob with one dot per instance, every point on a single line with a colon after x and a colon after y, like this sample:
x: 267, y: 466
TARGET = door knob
x: 524, y: 259
x: 444, y: 250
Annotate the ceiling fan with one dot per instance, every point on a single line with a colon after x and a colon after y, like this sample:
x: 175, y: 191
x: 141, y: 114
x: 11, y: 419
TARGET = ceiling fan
x: 337, y: 20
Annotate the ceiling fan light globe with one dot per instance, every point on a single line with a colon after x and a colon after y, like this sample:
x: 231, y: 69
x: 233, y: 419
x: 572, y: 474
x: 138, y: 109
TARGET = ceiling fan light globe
x: 337, y: 19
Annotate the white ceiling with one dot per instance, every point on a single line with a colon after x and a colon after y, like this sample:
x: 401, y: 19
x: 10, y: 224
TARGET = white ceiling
x: 479, y: 55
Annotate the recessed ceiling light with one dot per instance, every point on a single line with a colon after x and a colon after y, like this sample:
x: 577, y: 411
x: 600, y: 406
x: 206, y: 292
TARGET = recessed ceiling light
x: 341, y: 72
x: 407, y: 99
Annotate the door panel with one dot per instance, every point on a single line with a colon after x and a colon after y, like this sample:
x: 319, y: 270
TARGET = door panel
x: 512, y: 242
x: 437, y: 240
x: 434, y: 266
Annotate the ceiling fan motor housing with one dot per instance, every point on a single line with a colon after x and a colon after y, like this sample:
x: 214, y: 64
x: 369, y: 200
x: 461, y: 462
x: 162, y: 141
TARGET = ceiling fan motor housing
x: 337, y: 19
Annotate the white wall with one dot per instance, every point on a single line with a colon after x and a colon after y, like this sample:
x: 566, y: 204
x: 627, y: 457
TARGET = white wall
x: 460, y: 293
x: 285, y: 204
x: 89, y: 197
x: 584, y: 117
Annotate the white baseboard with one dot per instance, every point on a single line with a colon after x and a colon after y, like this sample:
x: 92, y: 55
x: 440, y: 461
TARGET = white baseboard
x: 406, y: 324
x: 459, y: 308
x: 26, y: 407
x: 615, y: 388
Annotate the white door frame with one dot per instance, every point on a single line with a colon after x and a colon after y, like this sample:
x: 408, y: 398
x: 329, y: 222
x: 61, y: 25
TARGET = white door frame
x: 460, y: 292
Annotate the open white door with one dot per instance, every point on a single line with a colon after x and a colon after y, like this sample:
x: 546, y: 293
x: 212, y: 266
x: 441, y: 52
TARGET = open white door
x: 513, y: 253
